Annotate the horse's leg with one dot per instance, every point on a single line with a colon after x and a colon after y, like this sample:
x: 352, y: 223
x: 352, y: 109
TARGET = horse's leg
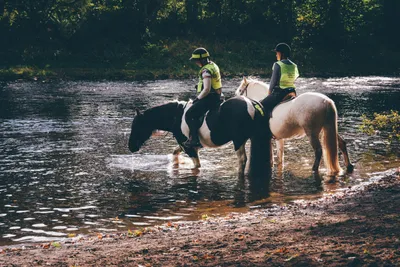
x: 193, y: 153
x: 342, y: 147
x: 280, y: 152
x: 316, y: 145
x: 242, y: 159
x: 195, y: 158
x: 175, y: 156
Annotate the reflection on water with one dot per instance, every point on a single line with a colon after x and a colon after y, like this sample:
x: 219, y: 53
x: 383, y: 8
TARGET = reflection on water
x: 65, y: 167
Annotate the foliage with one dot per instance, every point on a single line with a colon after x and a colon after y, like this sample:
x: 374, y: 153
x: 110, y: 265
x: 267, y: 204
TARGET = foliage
x: 326, y: 36
x: 388, y: 123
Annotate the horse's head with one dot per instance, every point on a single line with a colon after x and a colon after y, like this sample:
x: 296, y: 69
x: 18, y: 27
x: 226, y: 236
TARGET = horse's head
x: 242, y: 87
x: 252, y: 88
x: 140, y: 132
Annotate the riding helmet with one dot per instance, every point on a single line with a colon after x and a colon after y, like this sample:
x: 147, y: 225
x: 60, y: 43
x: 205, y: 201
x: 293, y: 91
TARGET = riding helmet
x: 199, y: 53
x: 283, y: 48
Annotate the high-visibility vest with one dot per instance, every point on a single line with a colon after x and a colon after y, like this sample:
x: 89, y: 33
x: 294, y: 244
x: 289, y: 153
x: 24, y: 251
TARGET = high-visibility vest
x: 289, y: 74
x: 215, y: 77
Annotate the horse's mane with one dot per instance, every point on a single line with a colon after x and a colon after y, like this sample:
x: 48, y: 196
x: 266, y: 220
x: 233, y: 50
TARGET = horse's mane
x: 174, y: 107
x: 254, y: 80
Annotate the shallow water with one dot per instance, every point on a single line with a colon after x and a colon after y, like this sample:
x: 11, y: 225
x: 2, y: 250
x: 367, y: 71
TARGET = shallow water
x: 65, y: 167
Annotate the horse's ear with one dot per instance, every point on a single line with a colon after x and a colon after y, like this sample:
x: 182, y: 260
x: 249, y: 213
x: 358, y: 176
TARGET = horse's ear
x: 137, y: 111
x: 244, y: 79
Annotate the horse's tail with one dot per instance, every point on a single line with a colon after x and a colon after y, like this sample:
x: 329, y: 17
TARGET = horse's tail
x: 330, y: 141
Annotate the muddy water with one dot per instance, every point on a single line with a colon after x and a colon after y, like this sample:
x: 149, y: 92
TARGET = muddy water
x: 65, y: 167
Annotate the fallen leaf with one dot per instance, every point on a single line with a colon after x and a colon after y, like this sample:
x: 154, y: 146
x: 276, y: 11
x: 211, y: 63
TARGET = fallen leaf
x: 281, y: 250
x: 208, y: 257
x: 137, y: 233
x: 71, y: 235
x: 56, y: 244
x: 46, y: 245
x: 130, y: 233
x: 292, y: 257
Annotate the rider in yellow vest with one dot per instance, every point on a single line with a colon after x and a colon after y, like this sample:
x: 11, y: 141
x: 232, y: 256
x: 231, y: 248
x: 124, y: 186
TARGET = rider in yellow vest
x: 284, y: 73
x: 208, y: 93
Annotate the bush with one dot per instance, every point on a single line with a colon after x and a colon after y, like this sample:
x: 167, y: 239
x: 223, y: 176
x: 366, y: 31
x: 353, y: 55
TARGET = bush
x: 387, y: 123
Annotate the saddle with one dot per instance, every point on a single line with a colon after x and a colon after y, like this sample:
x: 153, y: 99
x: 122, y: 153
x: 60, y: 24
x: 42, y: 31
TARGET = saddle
x: 288, y: 97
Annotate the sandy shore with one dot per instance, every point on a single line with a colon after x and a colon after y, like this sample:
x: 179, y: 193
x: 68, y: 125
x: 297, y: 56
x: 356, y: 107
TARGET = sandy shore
x: 359, y: 226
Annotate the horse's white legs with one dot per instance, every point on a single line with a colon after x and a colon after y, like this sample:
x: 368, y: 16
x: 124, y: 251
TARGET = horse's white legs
x: 175, y: 156
x: 177, y: 151
x: 342, y: 147
x: 242, y: 159
x: 195, y: 158
x: 280, y: 152
x: 196, y: 162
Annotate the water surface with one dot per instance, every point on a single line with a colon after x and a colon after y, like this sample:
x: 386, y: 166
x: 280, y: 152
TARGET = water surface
x: 65, y: 167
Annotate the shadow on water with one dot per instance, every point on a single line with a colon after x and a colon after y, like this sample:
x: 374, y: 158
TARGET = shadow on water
x: 65, y: 167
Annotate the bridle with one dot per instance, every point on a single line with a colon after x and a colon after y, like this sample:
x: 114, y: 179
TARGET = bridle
x: 245, y: 89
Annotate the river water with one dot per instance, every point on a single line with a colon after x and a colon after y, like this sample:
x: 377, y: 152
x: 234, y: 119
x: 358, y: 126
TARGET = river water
x: 65, y: 167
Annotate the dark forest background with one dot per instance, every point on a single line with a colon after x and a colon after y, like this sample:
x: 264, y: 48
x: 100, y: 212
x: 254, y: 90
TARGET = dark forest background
x: 154, y: 38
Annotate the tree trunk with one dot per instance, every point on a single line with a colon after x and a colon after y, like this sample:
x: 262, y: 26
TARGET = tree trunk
x: 192, y: 12
x: 1, y: 8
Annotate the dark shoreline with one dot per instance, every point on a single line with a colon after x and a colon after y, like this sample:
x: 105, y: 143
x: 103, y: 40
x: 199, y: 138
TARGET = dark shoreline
x: 101, y: 74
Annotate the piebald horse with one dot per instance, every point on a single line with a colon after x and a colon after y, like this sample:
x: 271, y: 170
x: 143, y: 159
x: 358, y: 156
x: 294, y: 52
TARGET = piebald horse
x: 308, y: 114
x: 237, y: 120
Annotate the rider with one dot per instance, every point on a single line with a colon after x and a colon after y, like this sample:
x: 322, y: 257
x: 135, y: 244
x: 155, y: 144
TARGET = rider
x: 284, y: 73
x: 208, y: 90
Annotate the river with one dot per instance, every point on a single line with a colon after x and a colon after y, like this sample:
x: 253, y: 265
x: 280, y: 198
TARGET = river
x: 65, y: 168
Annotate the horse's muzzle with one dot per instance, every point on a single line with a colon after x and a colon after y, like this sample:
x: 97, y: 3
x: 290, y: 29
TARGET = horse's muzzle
x: 133, y: 147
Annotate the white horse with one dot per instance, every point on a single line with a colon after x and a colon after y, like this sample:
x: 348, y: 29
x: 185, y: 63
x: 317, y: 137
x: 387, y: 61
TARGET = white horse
x: 307, y: 114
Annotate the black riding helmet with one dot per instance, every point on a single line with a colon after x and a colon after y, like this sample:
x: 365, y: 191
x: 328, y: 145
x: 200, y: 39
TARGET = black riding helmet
x: 283, y: 48
x: 199, y: 53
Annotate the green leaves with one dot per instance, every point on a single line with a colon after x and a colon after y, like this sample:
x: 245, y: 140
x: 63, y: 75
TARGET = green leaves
x: 387, y: 124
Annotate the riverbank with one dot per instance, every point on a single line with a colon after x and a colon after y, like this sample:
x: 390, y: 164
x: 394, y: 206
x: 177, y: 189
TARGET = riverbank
x: 359, y: 226
x: 28, y: 73
x: 169, y: 59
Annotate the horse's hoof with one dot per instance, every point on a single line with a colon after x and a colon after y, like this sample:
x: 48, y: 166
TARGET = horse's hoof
x: 175, y: 165
x: 350, y: 168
